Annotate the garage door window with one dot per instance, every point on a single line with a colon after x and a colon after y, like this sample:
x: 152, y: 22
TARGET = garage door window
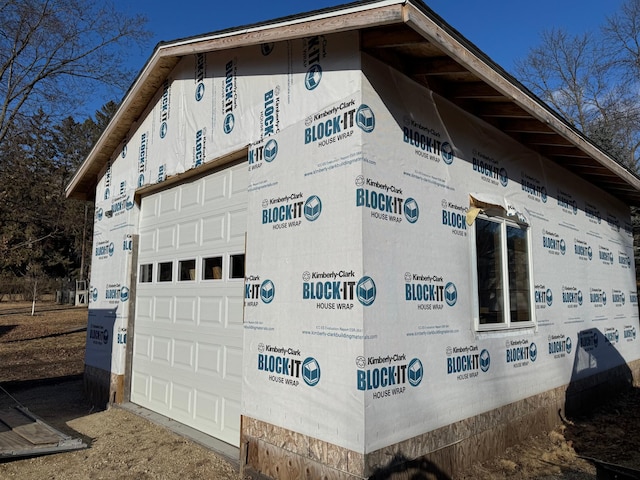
x: 146, y: 273
x: 187, y: 270
x: 237, y: 266
x: 212, y: 268
x: 165, y: 272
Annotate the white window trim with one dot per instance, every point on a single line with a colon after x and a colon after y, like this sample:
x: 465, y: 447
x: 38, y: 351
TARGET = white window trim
x: 507, y: 325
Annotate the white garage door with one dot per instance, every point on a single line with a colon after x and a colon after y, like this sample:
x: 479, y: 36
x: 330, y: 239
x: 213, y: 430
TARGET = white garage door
x: 187, y: 346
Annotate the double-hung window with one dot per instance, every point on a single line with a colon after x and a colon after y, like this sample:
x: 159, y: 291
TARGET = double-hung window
x: 501, y: 253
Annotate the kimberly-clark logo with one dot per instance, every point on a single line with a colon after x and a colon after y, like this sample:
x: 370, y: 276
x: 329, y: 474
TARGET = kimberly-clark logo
x: 489, y: 168
x: 165, y: 108
x: 388, y: 376
x: 588, y: 339
x: 115, y: 293
x: 543, y: 297
x: 267, y: 48
x: 559, y: 345
x: 285, y: 366
x: 338, y: 123
x: 430, y: 292
x: 582, y: 249
x: 229, y: 101
x: 255, y: 291
x: 120, y: 205
x: 287, y: 211
x: 521, y: 352
x: 597, y: 297
x: 592, y: 213
x: 365, y: 119
x: 261, y: 153
x: 613, y: 222
x: 629, y: 333
x: 366, y: 291
x: 98, y: 335
x: 270, y: 116
x: 107, y: 182
x: 571, y: 296
x: 427, y: 141
x: 605, y: 255
x: 467, y: 362
x: 611, y: 335
x: 384, y: 201
x: 104, y: 249
x: 552, y: 243
x: 336, y: 290
x: 142, y: 159
x: 200, y: 147
x: 624, y: 260
x: 455, y: 217
x: 314, y: 50
x: 567, y: 203
x: 200, y: 73
x: 534, y: 188
x: 617, y: 298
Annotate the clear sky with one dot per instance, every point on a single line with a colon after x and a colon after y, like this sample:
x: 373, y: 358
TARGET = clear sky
x: 503, y: 29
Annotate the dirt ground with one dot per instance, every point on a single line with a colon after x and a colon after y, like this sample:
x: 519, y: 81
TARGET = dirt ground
x: 41, y: 364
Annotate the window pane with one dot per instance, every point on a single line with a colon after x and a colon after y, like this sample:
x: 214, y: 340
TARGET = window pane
x: 237, y: 266
x: 146, y: 273
x: 489, y: 261
x: 165, y: 272
x: 212, y: 268
x: 187, y: 270
x: 518, y: 274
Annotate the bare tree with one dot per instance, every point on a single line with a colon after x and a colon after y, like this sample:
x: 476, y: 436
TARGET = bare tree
x: 55, y: 53
x: 578, y: 76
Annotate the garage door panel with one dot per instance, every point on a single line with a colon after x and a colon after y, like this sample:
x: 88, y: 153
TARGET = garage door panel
x: 140, y: 385
x: 147, y: 242
x: 213, y: 231
x: 237, y: 224
x: 230, y: 409
x: 182, y: 399
x: 234, y: 311
x: 142, y: 346
x: 166, y: 239
x: 168, y: 202
x: 161, y: 350
x: 186, y: 308
x: 187, y: 361
x: 160, y: 392
x: 212, y: 312
x: 215, y: 189
x: 163, y: 310
x: 190, y: 197
x: 184, y: 354
x: 233, y: 363
x: 144, y: 307
x: 207, y: 408
x: 239, y: 181
x: 209, y: 359
x: 188, y: 234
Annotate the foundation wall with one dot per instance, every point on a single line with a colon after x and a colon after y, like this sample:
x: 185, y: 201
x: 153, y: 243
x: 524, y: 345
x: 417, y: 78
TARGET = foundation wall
x: 102, y: 387
x: 276, y: 452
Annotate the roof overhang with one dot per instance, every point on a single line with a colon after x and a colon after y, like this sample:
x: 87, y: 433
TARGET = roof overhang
x: 413, y: 39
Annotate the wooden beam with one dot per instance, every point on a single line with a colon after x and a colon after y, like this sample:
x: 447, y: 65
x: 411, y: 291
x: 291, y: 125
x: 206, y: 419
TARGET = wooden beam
x: 390, y: 37
x: 500, y: 109
x: 436, y: 66
x: 474, y: 90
